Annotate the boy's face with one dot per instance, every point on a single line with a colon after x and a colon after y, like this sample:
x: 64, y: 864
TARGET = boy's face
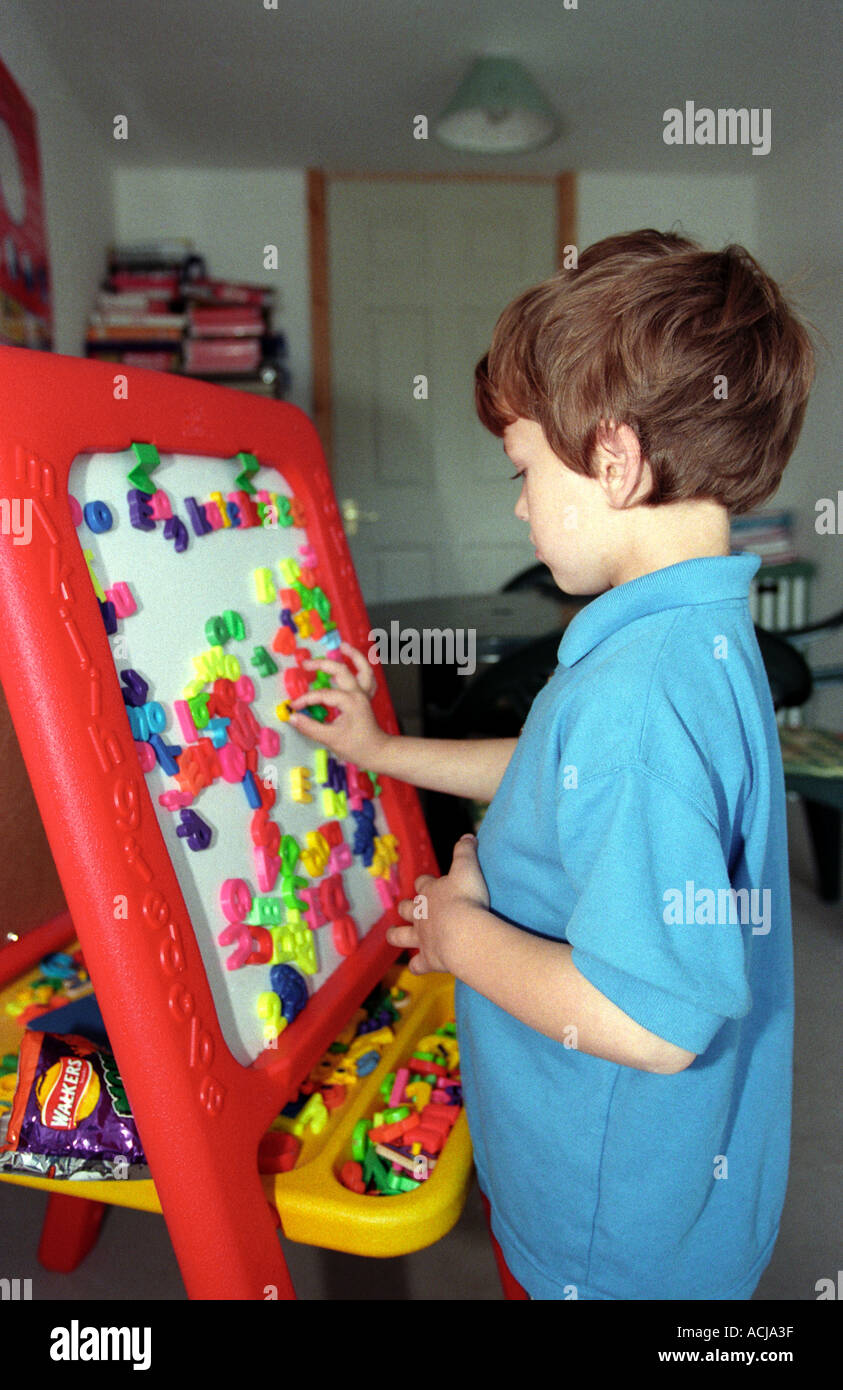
x: 569, y: 515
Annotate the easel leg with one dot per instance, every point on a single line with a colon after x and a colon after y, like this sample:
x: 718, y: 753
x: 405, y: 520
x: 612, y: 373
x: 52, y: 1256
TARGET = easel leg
x: 285, y: 1290
x: 70, y: 1230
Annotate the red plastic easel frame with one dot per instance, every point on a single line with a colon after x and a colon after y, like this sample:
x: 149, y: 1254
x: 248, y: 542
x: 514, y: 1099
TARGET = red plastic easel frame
x: 201, y: 1113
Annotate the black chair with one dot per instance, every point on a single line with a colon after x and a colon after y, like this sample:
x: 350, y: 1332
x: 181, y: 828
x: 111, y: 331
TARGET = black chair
x: 496, y: 701
x: 792, y: 681
x: 536, y: 577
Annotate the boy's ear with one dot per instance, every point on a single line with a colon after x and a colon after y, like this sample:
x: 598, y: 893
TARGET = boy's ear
x: 615, y: 438
x: 621, y: 468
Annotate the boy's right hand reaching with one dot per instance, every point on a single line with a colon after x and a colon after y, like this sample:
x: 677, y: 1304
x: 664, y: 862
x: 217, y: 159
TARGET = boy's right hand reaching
x: 469, y: 767
x: 355, y: 735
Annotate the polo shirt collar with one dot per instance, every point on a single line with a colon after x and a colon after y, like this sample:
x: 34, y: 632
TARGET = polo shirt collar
x: 714, y: 579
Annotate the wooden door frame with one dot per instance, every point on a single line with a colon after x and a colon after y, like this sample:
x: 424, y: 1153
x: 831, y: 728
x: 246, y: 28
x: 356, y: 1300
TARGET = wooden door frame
x: 565, y: 186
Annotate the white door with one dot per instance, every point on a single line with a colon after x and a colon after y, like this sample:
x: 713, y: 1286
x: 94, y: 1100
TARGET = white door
x: 418, y: 274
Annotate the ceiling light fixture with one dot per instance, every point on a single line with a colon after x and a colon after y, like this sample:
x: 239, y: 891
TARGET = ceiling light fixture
x: 497, y: 109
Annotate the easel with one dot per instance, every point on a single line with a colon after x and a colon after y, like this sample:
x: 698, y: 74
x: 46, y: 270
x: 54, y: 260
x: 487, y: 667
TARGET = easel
x: 201, y: 1113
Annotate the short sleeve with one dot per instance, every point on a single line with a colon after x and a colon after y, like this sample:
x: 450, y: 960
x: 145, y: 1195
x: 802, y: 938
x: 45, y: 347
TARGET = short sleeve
x: 654, y: 927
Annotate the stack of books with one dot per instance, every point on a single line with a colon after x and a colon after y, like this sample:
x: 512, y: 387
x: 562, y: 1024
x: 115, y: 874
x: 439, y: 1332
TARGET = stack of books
x: 139, y: 317
x: 768, y: 534
x: 158, y: 308
x: 229, y: 334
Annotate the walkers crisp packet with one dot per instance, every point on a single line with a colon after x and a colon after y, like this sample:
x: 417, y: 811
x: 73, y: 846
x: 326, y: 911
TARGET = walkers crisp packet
x: 70, y: 1117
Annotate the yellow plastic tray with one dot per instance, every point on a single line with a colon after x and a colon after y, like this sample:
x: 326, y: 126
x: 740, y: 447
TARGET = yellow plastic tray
x: 316, y: 1209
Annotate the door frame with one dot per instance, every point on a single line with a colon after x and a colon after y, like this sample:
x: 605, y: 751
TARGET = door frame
x: 318, y: 180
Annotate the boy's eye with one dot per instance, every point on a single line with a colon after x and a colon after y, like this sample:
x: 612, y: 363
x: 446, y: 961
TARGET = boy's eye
x: 516, y: 476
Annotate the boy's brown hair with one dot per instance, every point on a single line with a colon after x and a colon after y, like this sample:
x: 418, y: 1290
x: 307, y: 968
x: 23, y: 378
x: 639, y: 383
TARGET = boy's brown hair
x: 637, y: 333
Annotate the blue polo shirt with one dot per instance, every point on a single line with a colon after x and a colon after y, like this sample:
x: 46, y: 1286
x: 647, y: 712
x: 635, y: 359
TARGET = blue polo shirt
x: 642, y: 819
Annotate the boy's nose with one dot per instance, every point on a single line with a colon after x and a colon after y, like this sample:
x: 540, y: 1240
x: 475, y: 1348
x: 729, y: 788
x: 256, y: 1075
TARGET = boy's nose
x: 521, y: 508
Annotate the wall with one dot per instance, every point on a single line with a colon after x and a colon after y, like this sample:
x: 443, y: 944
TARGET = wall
x: 76, y: 162
x: 713, y: 209
x: 231, y: 215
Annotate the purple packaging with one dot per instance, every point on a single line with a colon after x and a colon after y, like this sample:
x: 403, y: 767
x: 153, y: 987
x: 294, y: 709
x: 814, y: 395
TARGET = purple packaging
x: 70, y: 1116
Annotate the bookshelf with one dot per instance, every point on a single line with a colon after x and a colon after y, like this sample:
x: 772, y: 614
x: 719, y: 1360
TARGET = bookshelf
x: 158, y: 307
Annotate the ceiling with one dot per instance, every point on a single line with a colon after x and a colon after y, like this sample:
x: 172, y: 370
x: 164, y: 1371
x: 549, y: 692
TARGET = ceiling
x: 336, y: 83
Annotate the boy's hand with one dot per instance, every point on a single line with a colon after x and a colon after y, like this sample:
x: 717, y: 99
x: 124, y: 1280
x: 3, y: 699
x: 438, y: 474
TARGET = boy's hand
x: 355, y: 736
x: 437, y: 913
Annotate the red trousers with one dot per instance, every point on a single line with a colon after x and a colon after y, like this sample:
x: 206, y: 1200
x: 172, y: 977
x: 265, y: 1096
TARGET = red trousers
x: 511, y: 1288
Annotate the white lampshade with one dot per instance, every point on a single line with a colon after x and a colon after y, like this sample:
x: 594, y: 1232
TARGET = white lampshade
x: 497, y: 109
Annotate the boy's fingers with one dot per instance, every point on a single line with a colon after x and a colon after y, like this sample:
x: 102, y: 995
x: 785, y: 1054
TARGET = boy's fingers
x: 365, y: 674
x: 337, y: 670
x: 362, y: 677
x: 315, y: 727
x: 402, y: 936
x: 335, y: 699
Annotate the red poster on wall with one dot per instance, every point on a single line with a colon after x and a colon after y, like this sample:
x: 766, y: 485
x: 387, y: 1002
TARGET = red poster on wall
x: 25, y: 309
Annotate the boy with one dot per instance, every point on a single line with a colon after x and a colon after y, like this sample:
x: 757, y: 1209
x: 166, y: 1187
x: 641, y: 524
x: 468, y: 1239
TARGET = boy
x: 620, y: 935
